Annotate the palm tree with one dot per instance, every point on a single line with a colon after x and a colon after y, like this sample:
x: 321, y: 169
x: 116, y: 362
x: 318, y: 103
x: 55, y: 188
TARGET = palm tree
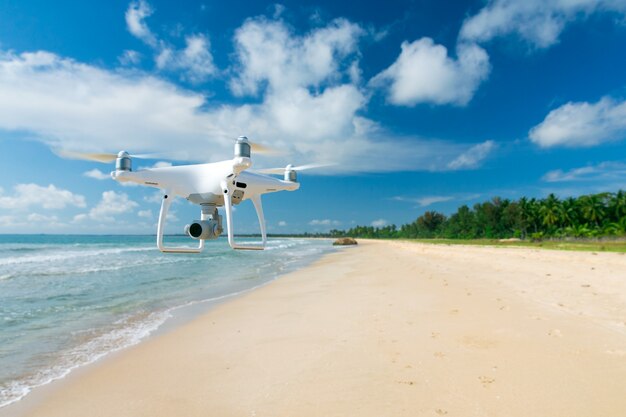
x: 550, y: 211
x: 617, y: 205
x: 593, y: 208
x: 569, y: 212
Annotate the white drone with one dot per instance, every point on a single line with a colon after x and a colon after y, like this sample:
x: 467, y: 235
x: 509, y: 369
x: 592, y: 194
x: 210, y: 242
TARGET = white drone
x: 212, y: 185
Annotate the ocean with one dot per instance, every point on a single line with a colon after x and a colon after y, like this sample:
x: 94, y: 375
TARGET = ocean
x: 66, y: 301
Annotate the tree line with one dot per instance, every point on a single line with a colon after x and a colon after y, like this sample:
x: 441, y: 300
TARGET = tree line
x: 587, y: 216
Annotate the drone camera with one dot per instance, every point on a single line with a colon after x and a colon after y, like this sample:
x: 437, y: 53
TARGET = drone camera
x: 204, y: 229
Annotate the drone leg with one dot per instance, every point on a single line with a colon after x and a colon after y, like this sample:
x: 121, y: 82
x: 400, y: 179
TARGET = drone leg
x: 228, y: 206
x: 256, y: 200
x: 165, y: 206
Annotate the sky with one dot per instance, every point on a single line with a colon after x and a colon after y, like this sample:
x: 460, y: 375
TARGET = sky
x: 418, y: 105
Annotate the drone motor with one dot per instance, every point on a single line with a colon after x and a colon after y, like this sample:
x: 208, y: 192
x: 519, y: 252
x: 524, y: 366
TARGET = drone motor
x: 123, y: 162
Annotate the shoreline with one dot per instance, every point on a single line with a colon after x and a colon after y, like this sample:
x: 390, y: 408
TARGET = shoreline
x: 386, y: 328
x: 137, y: 330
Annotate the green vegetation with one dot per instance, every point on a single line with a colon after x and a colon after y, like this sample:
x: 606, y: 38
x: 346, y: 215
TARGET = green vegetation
x: 588, y: 217
x: 598, y: 245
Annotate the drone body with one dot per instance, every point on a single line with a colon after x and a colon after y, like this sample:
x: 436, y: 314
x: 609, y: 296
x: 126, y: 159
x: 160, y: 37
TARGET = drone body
x: 219, y: 184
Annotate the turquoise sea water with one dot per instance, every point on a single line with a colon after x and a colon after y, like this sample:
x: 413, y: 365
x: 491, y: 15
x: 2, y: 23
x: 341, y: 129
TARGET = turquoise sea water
x: 66, y: 301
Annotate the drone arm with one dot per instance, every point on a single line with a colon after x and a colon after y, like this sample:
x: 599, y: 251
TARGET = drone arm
x: 165, y: 206
x: 228, y: 206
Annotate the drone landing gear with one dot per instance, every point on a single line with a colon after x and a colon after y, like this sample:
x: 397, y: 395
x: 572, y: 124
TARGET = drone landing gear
x: 228, y: 206
x: 165, y: 206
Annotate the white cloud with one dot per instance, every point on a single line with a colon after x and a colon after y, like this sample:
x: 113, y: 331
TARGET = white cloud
x: 279, y: 9
x: 71, y: 105
x: 147, y: 214
x: 81, y: 107
x: 136, y: 14
x: 582, y: 124
x: 155, y: 197
x: 50, y: 197
x: 111, y: 204
x: 539, y: 22
x: 194, y: 61
x: 269, y: 53
x: 282, y: 223
x: 473, y: 157
x: 97, y: 174
x: 424, y: 73
x: 33, y: 223
x: 129, y: 58
x: 601, y: 172
x: 41, y: 218
x: 380, y: 223
x: 324, y: 222
x: 8, y: 221
x: 429, y: 200
x: 426, y: 200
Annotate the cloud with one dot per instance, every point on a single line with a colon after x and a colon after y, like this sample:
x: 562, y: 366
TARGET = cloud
x: 603, y: 171
x: 129, y: 58
x: 582, y: 124
x: 194, y: 61
x: 81, y: 107
x: 41, y: 218
x: 111, y: 204
x: 146, y: 214
x: 379, y: 223
x: 424, y: 73
x: 282, y: 223
x: 270, y: 54
x: 156, y: 197
x: 324, y: 222
x: 97, y: 174
x: 539, y: 22
x: 75, y: 106
x: 425, y: 201
x: 33, y: 223
x: 136, y: 14
x: 429, y: 200
x: 473, y: 157
x: 50, y: 197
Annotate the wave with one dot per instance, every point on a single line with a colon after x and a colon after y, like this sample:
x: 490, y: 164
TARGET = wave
x: 128, y: 332
x: 218, y: 270
x: 66, y: 270
x: 65, y: 255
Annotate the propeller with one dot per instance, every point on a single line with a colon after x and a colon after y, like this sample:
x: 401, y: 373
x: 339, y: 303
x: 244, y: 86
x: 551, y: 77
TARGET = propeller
x: 292, y: 168
x: 101, y: 157
x: 254, y: 147
x: 264, y: 149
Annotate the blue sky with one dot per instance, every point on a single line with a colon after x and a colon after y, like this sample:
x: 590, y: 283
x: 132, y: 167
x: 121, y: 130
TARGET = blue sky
x: 421, y: 105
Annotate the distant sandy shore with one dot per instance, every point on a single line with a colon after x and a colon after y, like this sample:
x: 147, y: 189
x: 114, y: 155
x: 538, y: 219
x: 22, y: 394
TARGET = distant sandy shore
x: 385, y: 329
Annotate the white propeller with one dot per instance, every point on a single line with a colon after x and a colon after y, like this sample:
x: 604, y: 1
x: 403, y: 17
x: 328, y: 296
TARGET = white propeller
x: 102, y: 157
x: 292, y: 168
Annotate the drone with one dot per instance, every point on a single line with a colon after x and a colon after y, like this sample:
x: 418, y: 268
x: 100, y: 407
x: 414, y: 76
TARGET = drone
x: 211, y: 185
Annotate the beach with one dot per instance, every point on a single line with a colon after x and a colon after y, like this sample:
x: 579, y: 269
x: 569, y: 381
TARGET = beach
x: 386, y: 328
